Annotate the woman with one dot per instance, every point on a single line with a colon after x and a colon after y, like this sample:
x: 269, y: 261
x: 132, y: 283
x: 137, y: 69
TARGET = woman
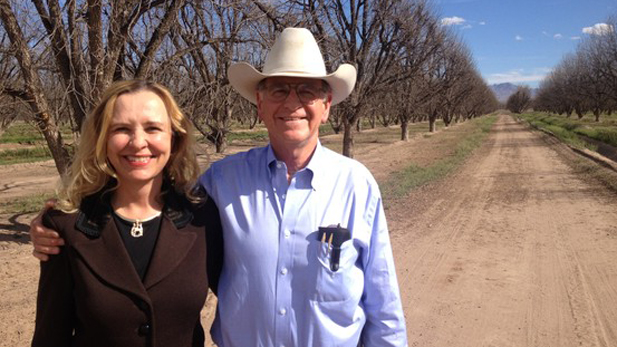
x: 134, y: 269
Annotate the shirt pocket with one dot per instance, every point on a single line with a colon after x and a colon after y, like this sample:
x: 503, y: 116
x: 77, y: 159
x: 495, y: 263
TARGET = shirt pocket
x: 342, y: 314
x: 342, y: 284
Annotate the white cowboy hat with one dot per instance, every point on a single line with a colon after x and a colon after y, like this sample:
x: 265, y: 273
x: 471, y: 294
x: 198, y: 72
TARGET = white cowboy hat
x: 295, y: 54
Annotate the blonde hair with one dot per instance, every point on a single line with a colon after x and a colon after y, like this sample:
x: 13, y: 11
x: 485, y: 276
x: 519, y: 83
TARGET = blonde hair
x: 90, y: 172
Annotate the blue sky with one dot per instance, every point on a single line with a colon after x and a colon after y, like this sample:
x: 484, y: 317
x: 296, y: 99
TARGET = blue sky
x: 520, y: 41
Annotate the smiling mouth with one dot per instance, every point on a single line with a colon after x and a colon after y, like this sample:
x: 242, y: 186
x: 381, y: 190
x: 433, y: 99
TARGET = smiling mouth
x: 138, y: 160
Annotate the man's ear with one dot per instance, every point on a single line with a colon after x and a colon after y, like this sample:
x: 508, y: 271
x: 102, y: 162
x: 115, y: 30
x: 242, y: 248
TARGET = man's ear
x: 326, y: 113
x: 258, y: 104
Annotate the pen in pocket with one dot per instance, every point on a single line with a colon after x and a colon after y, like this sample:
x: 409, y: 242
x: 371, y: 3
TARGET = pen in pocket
x: 335, y: 235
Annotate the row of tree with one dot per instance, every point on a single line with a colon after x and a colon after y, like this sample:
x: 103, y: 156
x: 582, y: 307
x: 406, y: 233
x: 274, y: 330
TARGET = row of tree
x: 586, y: 80
x: 57, y: 57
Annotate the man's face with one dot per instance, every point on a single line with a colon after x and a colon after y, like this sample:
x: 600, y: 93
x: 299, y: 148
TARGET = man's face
x: 292, y: 122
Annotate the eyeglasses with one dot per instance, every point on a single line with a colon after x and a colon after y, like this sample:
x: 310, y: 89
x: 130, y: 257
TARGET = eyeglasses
x: 308, y: 94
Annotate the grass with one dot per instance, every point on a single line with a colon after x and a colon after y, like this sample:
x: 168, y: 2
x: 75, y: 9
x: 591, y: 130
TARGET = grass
x: 24, y: 155
x: 590, y: 170
x: 400, y: 183
x: 573, y: 130
x: 26, y: 204
x: 22, y: 133
x: 27, y: 134
x: 258, y: 135
x: 604, y: 134
x: 569, y: 131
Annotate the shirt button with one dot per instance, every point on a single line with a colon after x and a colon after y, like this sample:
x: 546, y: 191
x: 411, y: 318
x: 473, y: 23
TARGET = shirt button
x: 278, y: 165
x: 282, y: 312
x: 283, y: 196
x: 284, y: 271
x: 287, y: 233
x: 144, y: 329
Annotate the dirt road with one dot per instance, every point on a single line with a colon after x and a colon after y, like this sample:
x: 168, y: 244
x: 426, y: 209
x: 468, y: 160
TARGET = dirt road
x: 515, y: 249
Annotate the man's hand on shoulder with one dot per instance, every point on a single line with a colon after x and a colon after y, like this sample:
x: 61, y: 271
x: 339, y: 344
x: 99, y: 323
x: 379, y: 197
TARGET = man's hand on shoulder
x: 45, y: 241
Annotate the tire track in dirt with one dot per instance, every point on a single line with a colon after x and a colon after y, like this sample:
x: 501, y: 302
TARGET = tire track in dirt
x: 514, y: 250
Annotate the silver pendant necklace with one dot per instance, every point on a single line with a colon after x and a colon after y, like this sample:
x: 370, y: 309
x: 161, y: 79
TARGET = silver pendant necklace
x: 137, y: 230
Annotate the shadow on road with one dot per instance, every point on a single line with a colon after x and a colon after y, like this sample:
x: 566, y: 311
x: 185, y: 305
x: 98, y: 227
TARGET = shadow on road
x: 15, y: 231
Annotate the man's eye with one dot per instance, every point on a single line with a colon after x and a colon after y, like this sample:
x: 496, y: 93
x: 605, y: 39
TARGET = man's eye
x: 277, y: 91
x: 308, y: 92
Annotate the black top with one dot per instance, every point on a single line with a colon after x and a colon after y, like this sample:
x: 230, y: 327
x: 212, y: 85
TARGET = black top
x: 140, y: 249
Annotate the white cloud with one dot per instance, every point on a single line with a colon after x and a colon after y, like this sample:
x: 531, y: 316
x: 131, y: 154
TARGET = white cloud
x: 518, y: 38
x: 482, y: 23
x: 575, y: 38
x: 558, y: 36
x: 467, y: 26
x: 452, y: 21
x: 599, y: 29
x: 518, y: 76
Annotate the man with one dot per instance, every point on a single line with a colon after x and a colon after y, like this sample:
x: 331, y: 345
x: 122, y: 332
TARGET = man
x: 308, y: 260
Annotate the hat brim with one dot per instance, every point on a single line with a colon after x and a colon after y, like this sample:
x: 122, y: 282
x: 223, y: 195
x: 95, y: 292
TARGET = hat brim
x: 244, y: 78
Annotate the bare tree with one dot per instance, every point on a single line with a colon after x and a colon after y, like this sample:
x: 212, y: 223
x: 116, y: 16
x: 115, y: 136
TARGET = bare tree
x: 33, y: 87
x: 520, y: 100
x: 371, y: 36
x: 91, y: 42
x: 210, y: 33
x: 457, y: 80
x: 425, y: 38
x: 584, y: 81
x: 480, y: 101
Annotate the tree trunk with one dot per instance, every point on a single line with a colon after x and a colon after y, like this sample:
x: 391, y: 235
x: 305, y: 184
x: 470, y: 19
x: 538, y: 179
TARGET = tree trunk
x: 347, y: 138
x: 447, y: 119
x: 220, y: 143
x: 432, y: 120
x: 34, y: 89
x: 404, y: 131
x: 579, y: 112
x: 54, y: 141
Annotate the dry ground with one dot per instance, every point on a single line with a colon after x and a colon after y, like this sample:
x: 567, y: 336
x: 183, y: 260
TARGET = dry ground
x: 515, y: 249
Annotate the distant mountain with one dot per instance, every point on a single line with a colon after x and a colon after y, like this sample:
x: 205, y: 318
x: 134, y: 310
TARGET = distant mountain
x: 504, y: 90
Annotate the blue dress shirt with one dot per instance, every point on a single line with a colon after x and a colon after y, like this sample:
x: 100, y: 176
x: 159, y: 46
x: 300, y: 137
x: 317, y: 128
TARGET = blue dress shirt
x: 276, y: 286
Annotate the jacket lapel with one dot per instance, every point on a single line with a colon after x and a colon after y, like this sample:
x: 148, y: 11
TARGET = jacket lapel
x: 171, y: 248
x: 108, y: 258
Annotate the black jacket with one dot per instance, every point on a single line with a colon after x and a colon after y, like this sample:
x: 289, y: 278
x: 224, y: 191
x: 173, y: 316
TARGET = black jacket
x: 91, y: 295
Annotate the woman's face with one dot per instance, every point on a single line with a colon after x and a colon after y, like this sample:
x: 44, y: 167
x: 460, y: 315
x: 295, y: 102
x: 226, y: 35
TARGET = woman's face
x: 139, y: 138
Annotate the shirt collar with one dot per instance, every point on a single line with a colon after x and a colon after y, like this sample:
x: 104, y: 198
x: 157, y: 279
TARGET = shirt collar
x: 270, y: 157
x: 315, y: 165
